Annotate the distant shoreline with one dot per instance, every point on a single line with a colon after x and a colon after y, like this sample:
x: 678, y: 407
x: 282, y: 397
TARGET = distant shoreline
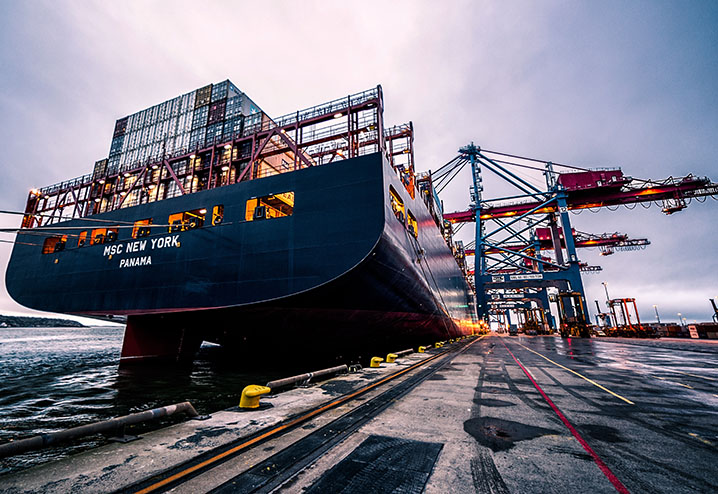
x: 37, y: 322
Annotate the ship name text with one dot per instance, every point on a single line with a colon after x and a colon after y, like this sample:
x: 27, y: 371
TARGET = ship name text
x: 142, y: 245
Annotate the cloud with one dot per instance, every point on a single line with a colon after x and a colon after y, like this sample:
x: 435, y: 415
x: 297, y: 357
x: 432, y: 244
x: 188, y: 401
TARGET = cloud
x: 615, y: 84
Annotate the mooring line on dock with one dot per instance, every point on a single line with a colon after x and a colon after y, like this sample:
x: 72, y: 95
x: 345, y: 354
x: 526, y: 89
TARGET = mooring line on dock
x: 576, y: 373
x: 225, y: 455
x: 599, y: 462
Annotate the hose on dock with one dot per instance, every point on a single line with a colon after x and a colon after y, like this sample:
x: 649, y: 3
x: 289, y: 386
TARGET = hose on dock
x: 49, y: 439
x: 305, y: 378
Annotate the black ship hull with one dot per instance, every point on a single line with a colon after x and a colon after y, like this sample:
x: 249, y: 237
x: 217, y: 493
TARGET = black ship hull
x: 340, y: 275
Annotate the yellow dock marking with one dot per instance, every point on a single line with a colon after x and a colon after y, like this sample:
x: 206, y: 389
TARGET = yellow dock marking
x: 704, y: 441
x: 579, y: 375
x: 674, y: 382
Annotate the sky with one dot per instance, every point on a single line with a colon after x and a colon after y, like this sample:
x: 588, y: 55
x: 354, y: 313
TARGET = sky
x: 628, y: 84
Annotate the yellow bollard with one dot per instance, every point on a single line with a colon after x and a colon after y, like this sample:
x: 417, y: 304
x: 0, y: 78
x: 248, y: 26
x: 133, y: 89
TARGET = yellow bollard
x: 251, y: 394
x: 375, y: 361
x: 391, y: 357
x: 422, y: 349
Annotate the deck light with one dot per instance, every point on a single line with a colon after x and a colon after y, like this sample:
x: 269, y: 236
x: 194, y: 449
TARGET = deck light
x: 154, y: 167
x: 227, y: 146
x: 338, y: 115
x: 225, y: 168
x: 151, y: 186
x: 97, y: 200
x: 192, y: 156
x: 202, y: 211
x: 102, y: 181
x: 123, y: 193
x: 126, y: 174
x: 35, y: 192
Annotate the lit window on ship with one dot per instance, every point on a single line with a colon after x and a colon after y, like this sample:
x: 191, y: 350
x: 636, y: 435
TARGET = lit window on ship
x: 272, y: 206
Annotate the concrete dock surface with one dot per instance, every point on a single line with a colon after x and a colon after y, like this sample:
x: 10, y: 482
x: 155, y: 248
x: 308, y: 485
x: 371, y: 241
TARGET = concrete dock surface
x: 494, y: 414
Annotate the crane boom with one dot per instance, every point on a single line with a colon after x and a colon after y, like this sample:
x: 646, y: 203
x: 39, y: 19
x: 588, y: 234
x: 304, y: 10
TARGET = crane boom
x: 592, y: 190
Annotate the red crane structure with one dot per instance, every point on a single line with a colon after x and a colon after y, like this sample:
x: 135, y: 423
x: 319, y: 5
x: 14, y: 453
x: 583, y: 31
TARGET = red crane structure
x: 608, y: 243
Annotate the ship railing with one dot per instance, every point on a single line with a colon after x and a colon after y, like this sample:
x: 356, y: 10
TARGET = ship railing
x: 67, y: 184
x: 398, y: 130
x: 334, y: 106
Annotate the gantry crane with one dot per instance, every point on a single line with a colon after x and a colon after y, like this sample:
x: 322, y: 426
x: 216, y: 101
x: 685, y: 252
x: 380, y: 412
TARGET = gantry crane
x: 510, y: 258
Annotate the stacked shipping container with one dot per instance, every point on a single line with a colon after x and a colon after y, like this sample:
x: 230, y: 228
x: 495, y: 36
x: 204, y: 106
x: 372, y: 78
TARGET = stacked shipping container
x: 207, y: 116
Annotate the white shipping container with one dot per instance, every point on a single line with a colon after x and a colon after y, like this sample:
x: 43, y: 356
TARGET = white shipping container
x: 152, y: 117
x: 188, y: 102
x: 155, y: 151
x: 176, y: 105
x: 160, y: 131
x: 187, y: 125
x: 172, y: 127
x: 131, y: 122
x: 169, y: 146
x: 185, y: 141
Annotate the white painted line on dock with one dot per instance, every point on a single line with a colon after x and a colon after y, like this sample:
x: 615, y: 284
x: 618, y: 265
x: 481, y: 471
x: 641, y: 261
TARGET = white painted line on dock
x: 667, y: 369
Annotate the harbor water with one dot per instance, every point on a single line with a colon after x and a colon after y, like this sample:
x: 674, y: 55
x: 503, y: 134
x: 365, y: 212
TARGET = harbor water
x: 55, y: 378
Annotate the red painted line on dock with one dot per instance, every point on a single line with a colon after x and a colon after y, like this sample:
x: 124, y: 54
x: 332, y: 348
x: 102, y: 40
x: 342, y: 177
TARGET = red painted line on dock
x: 601, y: 465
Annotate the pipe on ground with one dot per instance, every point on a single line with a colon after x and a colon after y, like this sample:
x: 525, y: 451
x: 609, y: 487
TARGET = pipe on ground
x: 303, y: 378
x: 49, y: 439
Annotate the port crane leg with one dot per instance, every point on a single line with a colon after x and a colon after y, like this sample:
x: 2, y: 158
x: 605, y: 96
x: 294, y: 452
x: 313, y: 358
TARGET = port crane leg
x: 574, y: 269
x: 479, y: 260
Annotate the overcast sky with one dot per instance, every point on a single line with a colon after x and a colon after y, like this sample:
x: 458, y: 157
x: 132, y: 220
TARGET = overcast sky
x: 610, y: 83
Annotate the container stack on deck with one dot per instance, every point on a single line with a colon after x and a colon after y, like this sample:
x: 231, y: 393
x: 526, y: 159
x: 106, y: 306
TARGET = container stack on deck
x: 209, y: 115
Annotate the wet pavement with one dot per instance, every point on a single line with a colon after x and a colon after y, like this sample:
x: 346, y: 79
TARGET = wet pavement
x: 499, y: 415
x: 646, y: 410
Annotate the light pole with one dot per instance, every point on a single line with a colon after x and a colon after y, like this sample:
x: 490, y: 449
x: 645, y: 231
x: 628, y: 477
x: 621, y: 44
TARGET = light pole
x: 680, y: 319
x: 658, y: 318
x: 608, y: 305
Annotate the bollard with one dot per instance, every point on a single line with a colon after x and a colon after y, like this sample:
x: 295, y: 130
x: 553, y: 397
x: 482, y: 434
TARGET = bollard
x: 375, y: 361
x: 422, y: 349
x: 391, y: 357
x: 251, y: 394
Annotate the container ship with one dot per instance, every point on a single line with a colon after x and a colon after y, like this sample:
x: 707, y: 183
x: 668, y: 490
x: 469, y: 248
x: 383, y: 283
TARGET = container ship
x: 308, y: 234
